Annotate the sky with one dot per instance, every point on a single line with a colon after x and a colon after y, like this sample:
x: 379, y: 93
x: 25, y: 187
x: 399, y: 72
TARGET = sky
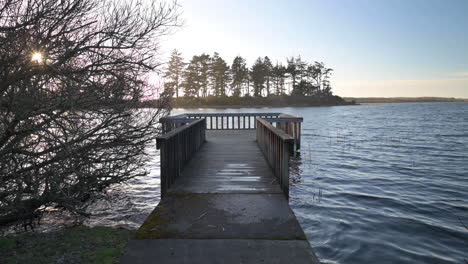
x: 377, y: 48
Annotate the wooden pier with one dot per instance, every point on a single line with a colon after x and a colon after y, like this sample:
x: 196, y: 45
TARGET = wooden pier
x: 225, y: 189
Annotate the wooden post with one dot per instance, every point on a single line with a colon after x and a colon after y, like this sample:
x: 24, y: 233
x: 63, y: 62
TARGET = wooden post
x: 177, y: 148
x: 285, y: 168
x: 276, y: 146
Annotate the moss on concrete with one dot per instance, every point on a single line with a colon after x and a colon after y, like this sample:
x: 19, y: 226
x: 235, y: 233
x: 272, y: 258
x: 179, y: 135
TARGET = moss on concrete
x: 70, y: 245
x: 155, y: 225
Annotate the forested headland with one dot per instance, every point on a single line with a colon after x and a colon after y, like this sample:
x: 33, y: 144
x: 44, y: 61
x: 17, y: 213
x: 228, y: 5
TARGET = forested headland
x: 209, y: 80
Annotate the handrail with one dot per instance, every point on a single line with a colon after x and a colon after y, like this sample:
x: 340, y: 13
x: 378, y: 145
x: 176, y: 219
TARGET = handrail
x: 238, y: 121
x: 292, y: 126
x: 278, y: 132
x: 219, y: 121
x: 179, y: 129
x: 177, y: 147
x: 277, y: 147
x: 188, y: 115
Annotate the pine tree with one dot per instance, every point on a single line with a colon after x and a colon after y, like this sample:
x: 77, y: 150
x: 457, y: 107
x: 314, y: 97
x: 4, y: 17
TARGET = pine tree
x: 240, y: 75
x: 297, y: 70
x: 291, y: 69
x: 301, y: 67
x: 196, y: 76
x: 268, y: 69
x: 204, y: 68
x: 258, y: 77
x: 321, y: 78
x: 279, y: 75
x: 191, y: 81
x: 207, y: 75
x: 174, y: 73
x: 219, y: 75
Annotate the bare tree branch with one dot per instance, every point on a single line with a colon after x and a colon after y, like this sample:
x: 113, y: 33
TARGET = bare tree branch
x: 69, y: 123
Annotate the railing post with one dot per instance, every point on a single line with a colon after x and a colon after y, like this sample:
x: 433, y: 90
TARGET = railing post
x: 285, y: 168
x: 164, y: 165
x: 177, y: 148
x: 277, y: 147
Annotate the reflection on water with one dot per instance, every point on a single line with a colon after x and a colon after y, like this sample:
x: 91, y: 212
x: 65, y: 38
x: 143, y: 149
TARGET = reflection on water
x: 124, y: 205
x: 382, y: 183
x: 391, y: 180
x: 129, y: 204
x: 295, y: 170
x: 373, y: 183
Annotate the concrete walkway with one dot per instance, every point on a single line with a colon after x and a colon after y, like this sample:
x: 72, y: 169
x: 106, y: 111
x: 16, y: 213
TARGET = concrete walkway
x: 225, y: 208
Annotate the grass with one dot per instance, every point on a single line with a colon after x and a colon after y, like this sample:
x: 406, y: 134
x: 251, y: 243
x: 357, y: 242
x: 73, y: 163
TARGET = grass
x: 71, y: 245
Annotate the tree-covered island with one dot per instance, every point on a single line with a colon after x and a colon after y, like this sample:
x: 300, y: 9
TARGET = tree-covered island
x: 208, y: 80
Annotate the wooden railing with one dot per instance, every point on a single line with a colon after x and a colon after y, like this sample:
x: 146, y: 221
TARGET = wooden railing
x: 291, y: 125
x: 177, y: 147
x: 238, y: 121
x: 220, y: 121
x: 277, y: 147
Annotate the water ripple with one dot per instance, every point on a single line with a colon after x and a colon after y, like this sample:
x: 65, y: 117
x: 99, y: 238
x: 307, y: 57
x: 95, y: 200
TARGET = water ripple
x: 393, y: 180
x: 379, y: 183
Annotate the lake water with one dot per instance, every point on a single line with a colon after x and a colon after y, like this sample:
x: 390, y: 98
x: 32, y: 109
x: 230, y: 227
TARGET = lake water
x: 383, y: 183
x: 374, y: 183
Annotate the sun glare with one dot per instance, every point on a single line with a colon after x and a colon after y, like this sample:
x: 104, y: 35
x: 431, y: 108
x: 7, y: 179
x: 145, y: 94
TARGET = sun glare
x: 37, y: 57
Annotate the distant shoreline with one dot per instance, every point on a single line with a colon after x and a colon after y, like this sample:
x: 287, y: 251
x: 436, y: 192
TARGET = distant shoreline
x: 252, y: 102
x: 293, y: 101
x: 257, y: 102
x: 370, y: 100
x: 252, y: 106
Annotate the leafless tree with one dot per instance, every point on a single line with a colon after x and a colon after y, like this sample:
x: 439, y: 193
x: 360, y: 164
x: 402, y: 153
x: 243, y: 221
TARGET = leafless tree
x: 72, y: 73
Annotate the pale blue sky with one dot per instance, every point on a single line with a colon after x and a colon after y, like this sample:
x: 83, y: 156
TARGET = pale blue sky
x: 376, y: 47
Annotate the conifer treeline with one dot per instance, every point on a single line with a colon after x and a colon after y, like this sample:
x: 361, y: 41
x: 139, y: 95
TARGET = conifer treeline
x: 206, y: 75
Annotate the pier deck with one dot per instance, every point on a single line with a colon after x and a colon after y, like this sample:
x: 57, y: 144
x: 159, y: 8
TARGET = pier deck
x: 226, y: 206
